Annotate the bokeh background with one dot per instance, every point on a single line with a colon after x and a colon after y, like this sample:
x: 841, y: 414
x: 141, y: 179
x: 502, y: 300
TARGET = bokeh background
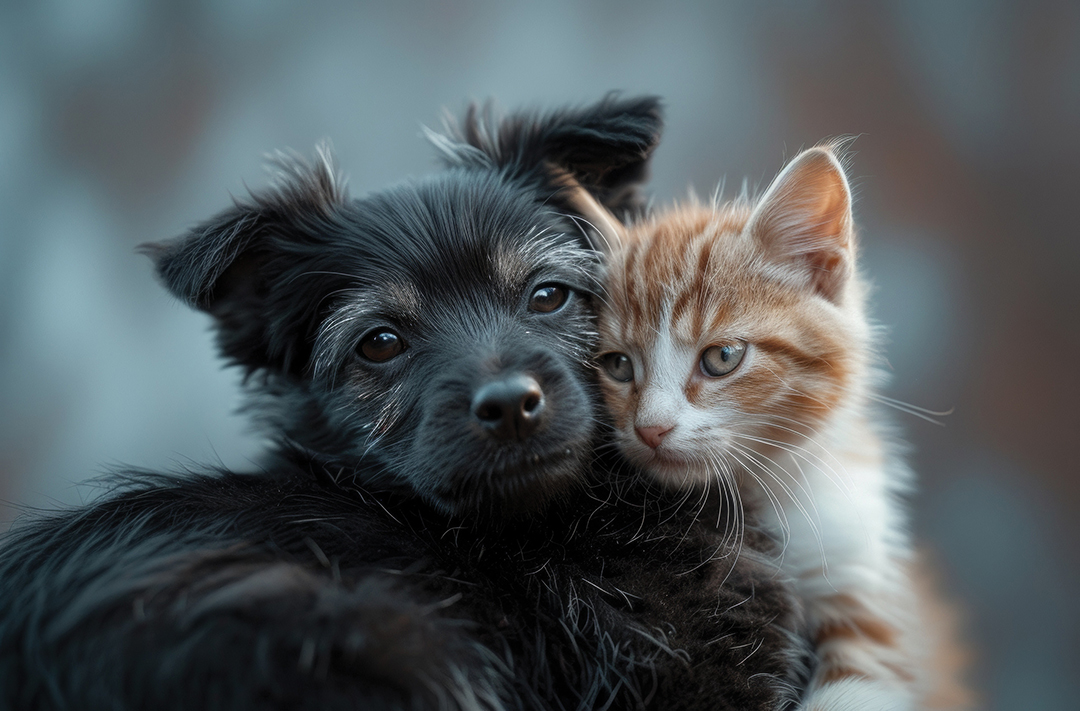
x: 123, y: 121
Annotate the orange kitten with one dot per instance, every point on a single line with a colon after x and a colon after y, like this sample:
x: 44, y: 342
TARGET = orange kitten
x: 736, y: 351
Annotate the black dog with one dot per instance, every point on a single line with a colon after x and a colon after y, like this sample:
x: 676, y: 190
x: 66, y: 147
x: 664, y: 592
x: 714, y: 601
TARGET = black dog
x: 434, y: 529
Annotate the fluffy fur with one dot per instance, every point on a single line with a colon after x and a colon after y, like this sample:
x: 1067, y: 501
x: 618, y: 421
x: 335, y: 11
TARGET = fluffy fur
x: 738, y: 355
x: 424, y: 535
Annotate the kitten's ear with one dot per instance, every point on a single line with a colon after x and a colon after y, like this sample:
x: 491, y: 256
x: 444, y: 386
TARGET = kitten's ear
x: 604, y: 230
x: 604, y: 146
x: 229, y: 265
x: 804, y: 221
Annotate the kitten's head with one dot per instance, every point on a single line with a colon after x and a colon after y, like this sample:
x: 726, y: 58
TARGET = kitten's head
x: 730, y: 330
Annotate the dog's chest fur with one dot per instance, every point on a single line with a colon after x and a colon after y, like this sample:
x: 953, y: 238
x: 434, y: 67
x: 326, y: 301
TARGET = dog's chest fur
x: 322, y: 591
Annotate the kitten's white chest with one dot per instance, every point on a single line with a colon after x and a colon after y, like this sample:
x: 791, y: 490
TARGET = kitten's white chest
x: 832, y: 510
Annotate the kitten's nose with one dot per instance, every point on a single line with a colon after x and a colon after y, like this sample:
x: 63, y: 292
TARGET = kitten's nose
x: 653, y: 435
x: 509, y: 408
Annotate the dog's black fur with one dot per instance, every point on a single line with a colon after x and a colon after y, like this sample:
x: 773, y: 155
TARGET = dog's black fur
x: 429, y: 533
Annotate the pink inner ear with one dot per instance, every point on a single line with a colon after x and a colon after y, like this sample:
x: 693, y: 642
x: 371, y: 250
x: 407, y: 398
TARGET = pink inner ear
x: 829, y: 272
x: 804, y: 220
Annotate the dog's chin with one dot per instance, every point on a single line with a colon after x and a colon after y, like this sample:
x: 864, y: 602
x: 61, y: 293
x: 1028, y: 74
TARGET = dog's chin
x: 519, y: 487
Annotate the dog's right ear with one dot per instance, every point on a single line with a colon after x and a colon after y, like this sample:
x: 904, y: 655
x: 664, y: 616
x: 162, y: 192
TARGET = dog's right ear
x: 234, y: 265
x: 604, y: 147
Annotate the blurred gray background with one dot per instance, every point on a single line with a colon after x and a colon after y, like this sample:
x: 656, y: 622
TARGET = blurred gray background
x: 123, y: 121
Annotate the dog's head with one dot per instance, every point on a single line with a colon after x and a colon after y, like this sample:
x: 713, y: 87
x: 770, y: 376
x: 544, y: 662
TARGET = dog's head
x: 438, y: 333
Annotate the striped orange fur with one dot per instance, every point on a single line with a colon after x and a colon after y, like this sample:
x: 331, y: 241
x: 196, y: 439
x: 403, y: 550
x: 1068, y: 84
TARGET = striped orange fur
x: 738, y: 354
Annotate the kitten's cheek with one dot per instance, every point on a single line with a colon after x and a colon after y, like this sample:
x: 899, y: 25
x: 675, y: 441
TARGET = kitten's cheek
x: 618, y: 406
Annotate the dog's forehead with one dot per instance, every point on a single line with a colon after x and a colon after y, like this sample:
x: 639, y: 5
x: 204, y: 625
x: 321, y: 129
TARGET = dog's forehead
x: 461, y: 233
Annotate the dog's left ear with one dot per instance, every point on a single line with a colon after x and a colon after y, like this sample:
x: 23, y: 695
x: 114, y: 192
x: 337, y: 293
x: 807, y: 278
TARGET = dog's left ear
x: 605, y: 147
x: 246, y: 265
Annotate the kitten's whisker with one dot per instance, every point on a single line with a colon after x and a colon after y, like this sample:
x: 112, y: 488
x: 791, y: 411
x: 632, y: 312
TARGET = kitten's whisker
x: 728, y: 490
x: 774, y: 501
x: 797, y: 480
x: 843, y: 478
x: 813, y: 521
x: 909, y: 409
x: 735, y: 496
x: 808, y: 434
x: 925, y: 411
x: 834, y: 477
x: 828, y: 472
x: 721, y: 549
x: 733, y: 537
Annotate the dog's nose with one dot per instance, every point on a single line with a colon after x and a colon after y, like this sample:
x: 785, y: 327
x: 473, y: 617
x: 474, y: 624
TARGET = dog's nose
x: 652, y: 436
x: 509, y: 408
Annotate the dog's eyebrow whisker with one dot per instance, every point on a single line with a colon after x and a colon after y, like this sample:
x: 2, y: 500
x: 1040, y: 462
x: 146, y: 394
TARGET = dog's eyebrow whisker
x: 319, y: 272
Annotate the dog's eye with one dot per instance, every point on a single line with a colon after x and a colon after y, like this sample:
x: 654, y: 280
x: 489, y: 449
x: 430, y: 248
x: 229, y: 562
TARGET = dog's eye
x: 721, y: 360
x: 618, y: 366
x: 548, y: 298
x: 381, y: 345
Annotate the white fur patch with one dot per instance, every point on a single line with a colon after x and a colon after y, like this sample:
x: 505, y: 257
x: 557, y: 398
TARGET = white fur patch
x: 858, y: 695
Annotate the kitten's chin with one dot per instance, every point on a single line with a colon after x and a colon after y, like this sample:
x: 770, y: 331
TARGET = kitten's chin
x: 672, y: 469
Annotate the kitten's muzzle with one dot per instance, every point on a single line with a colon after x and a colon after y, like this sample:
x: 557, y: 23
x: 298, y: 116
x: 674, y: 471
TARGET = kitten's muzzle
x: 509, y: 408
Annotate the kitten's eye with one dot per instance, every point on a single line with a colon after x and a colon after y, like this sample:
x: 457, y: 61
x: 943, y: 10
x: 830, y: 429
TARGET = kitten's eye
x: 548, y: 298
x: 381, y: 345
x: 618, y: 366
x: 721, y: 360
